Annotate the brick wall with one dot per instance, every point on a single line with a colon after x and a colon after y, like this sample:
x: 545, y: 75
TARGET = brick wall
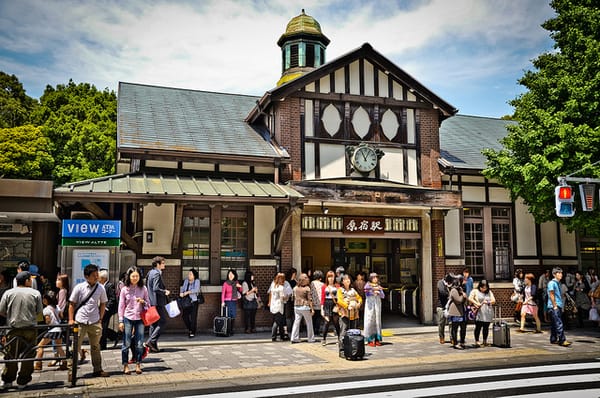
x: 430, y: 148
x: 288, y: 113
x: 438, y: 263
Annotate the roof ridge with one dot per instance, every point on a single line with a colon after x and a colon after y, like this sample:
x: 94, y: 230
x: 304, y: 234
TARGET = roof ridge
x: 188, y: 89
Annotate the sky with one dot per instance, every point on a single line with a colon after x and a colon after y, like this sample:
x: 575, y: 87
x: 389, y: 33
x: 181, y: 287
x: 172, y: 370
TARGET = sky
x: 471, y: 53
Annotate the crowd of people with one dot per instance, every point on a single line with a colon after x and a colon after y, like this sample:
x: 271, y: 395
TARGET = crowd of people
x: 558, y: 298
x: 334, y: 302
x: 322, y: 304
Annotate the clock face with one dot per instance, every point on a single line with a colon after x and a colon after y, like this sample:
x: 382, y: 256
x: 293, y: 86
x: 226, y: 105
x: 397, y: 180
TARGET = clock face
x: 364, y: 159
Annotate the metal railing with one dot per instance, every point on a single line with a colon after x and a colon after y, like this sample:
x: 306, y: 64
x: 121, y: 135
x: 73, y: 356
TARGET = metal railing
x: 26, y: 351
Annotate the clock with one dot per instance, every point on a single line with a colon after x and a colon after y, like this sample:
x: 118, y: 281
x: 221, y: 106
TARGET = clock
x: 365, y: 159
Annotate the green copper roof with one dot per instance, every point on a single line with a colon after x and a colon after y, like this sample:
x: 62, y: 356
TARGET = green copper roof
x: 171, y: 187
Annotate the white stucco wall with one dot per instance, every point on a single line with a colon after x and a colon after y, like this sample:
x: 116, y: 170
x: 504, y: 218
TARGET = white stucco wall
x: 525, y: 230
x: 264, y: 224
x: 160, y: 220
x: 452, y: 233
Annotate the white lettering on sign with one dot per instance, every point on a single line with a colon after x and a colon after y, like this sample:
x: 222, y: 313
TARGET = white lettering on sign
x: 364, y: 225
x: 376, y: 226
x: 108, y: 229
x: 351, y: 226
x: 84, y: 228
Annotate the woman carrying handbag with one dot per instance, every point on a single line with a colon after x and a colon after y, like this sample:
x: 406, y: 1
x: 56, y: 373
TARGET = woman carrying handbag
x: 133, y: 299
x: 189, y: 294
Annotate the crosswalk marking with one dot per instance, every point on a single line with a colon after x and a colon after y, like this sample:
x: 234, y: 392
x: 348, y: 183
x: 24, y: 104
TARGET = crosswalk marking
x: 490, y: 386
x: 440, y: 378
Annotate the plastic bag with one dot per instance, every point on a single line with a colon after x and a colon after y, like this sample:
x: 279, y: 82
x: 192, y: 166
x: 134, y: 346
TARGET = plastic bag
x: 173, y: 309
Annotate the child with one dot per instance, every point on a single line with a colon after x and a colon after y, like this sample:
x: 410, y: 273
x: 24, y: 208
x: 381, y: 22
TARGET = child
x: 51, y: 317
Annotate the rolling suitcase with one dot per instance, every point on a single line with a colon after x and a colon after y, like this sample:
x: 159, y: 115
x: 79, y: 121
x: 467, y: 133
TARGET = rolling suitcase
x: 354, y: 345
x: 223, y: 325
x: 500, y: 331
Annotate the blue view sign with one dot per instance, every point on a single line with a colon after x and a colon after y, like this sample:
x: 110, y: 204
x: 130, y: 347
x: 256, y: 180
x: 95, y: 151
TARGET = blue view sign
x: 91, y: 232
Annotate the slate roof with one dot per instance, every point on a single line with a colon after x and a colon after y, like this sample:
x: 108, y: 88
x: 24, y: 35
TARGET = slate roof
x: 173, y: 119
x: 463, y: 137
x: 153, y: 187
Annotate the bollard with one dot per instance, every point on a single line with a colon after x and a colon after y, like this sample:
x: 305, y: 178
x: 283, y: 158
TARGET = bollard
x: 73, y: 373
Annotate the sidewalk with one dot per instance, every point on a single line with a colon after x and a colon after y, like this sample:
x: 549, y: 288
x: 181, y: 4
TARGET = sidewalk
x: 209, y: 361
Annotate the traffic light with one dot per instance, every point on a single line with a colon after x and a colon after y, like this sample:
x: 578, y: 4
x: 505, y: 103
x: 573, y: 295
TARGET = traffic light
x: 565, y: 206
x: 586, y: 192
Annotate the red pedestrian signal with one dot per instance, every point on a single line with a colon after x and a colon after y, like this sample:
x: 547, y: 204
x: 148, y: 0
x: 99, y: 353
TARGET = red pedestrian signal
x: 565, y: 192
x: 565, y: 206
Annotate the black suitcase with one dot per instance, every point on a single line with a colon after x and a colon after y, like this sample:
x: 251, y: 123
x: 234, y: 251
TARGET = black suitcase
x: 500, y: 331
x: 354, y: 346
x: 223, y: 325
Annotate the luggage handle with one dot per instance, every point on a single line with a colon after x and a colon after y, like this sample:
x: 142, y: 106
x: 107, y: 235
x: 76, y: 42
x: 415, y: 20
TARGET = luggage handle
x: 224, y: 311
x: 498, y: 319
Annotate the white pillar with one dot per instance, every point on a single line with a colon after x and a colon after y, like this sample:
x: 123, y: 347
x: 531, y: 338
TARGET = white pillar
x: 426, y: 282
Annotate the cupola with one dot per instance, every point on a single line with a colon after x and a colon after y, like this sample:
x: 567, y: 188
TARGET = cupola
x: 302, y: 47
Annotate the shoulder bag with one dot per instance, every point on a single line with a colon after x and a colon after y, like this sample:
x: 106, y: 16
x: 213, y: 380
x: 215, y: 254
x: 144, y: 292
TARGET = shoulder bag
x: 85, y: 300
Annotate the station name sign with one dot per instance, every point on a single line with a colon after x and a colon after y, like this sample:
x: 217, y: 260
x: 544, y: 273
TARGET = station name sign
x: 91, y: 233
x: 362, y: 225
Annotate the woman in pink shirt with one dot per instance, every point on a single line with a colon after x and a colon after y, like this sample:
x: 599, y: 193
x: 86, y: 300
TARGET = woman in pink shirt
x: 132, y: 301
x: 230, y: 293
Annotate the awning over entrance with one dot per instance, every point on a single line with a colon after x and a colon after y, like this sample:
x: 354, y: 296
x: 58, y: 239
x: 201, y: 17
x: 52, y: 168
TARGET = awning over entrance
x: 26, y: 201
x: 176, y: 188
x: 378, y: 192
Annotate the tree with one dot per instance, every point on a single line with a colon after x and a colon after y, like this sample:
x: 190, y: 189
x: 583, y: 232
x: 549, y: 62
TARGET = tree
x: 558, y: 131
x: 23, y: 153
x: 80, y: 123
x: 15, y: 105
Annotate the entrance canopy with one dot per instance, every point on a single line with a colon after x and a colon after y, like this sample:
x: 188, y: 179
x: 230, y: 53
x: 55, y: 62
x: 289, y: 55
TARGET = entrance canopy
x: 158, y: 188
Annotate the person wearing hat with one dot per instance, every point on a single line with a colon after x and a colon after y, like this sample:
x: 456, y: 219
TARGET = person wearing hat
x: 24, y: 266
x: 21, y: 306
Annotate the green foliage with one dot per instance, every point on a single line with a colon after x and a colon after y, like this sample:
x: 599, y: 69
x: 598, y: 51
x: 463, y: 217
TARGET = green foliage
x: 559, y: 117
x: 80, y: 122
x: 23, y: 153
x: 75, y: 138
x: 15, y: 105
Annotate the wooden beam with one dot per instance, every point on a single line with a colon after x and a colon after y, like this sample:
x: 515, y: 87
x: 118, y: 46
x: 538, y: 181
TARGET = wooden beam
x: 178, y: 222
x: 338, y: 97
x: 101, y: 214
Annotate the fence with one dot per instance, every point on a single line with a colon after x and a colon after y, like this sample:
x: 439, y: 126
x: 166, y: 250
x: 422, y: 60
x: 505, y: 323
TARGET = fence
x: 15, y: 346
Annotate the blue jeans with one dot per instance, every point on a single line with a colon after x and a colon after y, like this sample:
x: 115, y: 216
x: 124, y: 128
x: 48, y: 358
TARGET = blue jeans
x: 557, y: 334
x: 134, y: 332
x: 231, y: 308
